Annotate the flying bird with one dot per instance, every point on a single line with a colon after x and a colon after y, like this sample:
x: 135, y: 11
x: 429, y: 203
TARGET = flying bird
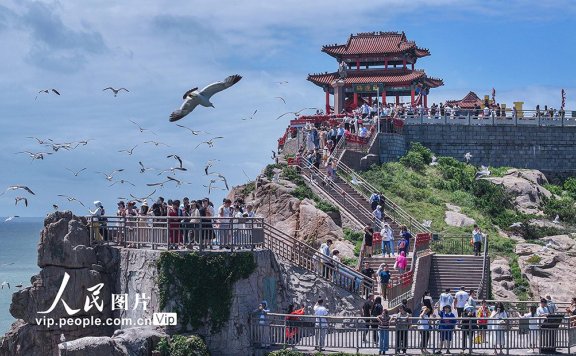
x: 282, y: 82
x: 427, y: 223
x: 222, y: 178
x: 110, y: 176
x: 129, y: 151
x: 20, y: 199
x: 157, y: 143
x: 210, y: 142
x: 76, y: 173
x: 211, y: 186
x: 193, y: 97
x: 116, y: 91
x: 35, y: 155
x: 516, y: 225
x: 556, y: 219
x: 295, y: 112
x: 434, y: 161
x: 467, y: 156
x: 483, y: 172
x: 209, y: 164
x: 176, y: 157
x: 14, y: 187
x: 143, y: 198
x: 11, y: 218
x: 56, y: 207
x: 70, y: 199
x: 369, y: 155
x: 18, y: 285
x: 281, y: 98
x: 142, y: 168
x: 251, y: 117
x: 40, y: 141
x: 122, y: 181
x: 172, y: 169
x: 141, y: 128
x: 194, y: 132
x: 47, y: 91
x: 5, y: 284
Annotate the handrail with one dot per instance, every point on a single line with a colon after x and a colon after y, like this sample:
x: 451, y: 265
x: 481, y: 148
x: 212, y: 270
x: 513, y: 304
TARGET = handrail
x: 340, y: 273
x: 485, y: 265
x: 404, y: 217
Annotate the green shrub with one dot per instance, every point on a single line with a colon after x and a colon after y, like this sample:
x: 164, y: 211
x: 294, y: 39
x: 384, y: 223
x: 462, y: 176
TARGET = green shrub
x: 424, y: 152
x: 352, y: 235
x: 563, y: 207
x: 269, y: 170
x: 554, y: 189
x: 180, y: 345
x: 570, y: 186
x: 303, y: 192
x: 248, y: 188
x: 326, y: 207
x: 534, y: 259
x: 413, y: 160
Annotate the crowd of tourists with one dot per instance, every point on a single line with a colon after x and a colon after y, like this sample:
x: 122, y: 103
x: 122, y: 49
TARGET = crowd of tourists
x: 189, y: 222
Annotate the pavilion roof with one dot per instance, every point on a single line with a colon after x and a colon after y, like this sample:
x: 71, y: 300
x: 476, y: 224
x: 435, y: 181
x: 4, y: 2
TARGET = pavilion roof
x: 376, y: 43
x: 390, y: 76
x: 468, y: 102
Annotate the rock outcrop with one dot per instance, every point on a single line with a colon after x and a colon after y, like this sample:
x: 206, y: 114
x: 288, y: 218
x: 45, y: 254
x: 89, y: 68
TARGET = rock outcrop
x: 453, y: 218
x: 550, y: 267
x: 502, y: 280
x: 525, y: 187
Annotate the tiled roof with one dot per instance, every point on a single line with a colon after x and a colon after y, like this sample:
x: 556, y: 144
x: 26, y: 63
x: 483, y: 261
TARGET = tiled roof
x: 468, y: 102
x: 387, y: 76
x: 376, y: 43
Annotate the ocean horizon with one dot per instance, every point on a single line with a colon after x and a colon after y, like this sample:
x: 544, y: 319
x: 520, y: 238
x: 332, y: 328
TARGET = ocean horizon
x: 19, y: 239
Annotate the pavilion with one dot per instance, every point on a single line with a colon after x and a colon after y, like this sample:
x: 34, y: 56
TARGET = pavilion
x: 375, y: 64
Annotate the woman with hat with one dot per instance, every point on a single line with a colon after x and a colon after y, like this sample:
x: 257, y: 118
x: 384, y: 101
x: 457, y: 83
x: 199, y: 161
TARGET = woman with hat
x: 446, y: 326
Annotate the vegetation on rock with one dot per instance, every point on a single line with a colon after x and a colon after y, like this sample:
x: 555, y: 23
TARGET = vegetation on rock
x: 180, y: 345
x: 199, y: 286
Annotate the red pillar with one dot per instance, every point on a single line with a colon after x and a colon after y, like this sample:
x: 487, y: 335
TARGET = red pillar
x: 412, y: 94
x: 425, y: 101
x: 327, y: 101
x: 357, y: 64
x: 383, y: 97
x: 412, y: 66
x: 397, y: 99
x: 355, y: 100
x: 404, y: 63
x: 386, y: 64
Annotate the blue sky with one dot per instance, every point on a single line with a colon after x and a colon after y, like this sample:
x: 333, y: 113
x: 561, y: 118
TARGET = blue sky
x: 160, y: 49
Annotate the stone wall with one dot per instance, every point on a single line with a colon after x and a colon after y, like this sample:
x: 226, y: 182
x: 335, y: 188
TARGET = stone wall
x: 392, y: 147
x: 548, y: 149
x: 421, y: 278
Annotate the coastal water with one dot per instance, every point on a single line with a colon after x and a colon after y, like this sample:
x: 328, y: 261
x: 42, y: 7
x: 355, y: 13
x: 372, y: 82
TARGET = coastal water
x: 18, y: 257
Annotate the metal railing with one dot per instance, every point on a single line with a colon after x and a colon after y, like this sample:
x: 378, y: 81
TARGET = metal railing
x: 477, y: 117
x: 484, y: 281
x: 453, y: 245
x: 391, y: 209
x: 173, y: 232
x: 473, y: 334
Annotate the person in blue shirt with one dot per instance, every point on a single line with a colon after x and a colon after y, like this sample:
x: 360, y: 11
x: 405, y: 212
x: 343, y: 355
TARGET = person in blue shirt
x: 446, y: 325
x: 477, y: 240
x: 261, y: 314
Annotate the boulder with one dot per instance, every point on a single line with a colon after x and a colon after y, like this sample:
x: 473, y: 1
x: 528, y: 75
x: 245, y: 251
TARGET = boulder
x: 525, y: 186
x: 549, y: 267
x: 453, y: 218
x: 502, y: 280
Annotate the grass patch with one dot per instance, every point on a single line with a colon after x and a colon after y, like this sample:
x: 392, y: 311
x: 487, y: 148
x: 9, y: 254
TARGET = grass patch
x: 534, y: 259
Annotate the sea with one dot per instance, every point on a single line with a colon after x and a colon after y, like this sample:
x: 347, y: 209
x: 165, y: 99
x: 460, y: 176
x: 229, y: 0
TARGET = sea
x: 18, y: 260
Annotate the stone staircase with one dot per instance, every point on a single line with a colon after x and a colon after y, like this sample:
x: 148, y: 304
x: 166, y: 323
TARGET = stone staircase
x: 376, y: 260
x: 454, y: 271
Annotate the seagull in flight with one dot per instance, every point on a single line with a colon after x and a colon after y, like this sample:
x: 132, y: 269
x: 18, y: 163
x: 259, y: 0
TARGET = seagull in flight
x: 210, y: 186
x: 193, y: 97
x: 273, y: 155
x: 143, y: 199
x: 281, y: 98
x: 157, y: 143
x: 40, y: 141
x: 19, y: 199
x: 10, y: 218
x: 427, y: 223
x: 116, y: 91
x: 251, y: 117
x: 172, y: 169
x: 210, y: 142
x: 142, y: 168
x: 129, y: 151
x: 14, y: 187
x: 35, y: 155
x: 47, y: 91
x: 76, y: 173
x: 467, y: 156
x: 556, y: 219
x: 194, y: 132
x: 169, y: 179
x: 70, y: 199
x: 295, y: 112
x: 209, y: 164
x: 222, y: 178
x: 122, y: 181
x: 434, y: 161
x: 484, y: 172
x: 5, y: 284
x: 141, y: 128
x: 516, y: 225
x: 110, y: 176
x: 176, y: 157
x: 282, y: 82
x: 56, y: 207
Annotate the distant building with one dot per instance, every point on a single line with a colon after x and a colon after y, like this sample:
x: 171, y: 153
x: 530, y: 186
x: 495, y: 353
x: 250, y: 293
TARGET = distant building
x: 470, y: 101
x: 377, y: 63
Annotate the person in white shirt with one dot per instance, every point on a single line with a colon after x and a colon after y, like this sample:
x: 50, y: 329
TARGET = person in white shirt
x: 324, y: 258
x: 543, y: 310
x: 321, y: 324
x: 460, y: 300
x: 387, y: 240
x: 533, y: 324
x: 446, y: 298
x: 377, y: 214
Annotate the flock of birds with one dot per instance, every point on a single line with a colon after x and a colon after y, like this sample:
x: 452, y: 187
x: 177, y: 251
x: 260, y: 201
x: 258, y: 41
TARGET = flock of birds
x: 192, y: 98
